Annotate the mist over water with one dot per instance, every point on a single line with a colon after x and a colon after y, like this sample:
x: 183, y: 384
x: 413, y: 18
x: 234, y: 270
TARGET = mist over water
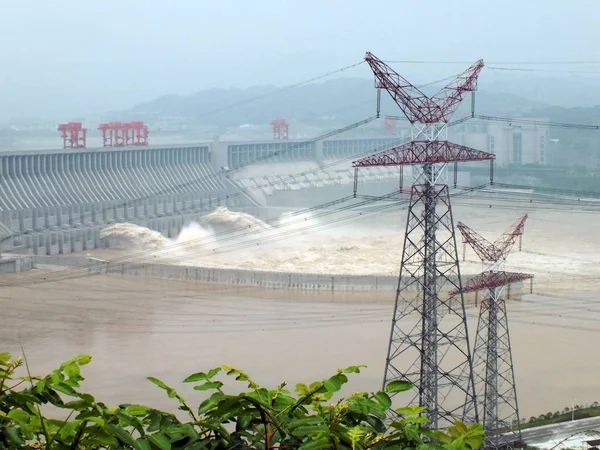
x: 361, y: 245
x: 294, y: 242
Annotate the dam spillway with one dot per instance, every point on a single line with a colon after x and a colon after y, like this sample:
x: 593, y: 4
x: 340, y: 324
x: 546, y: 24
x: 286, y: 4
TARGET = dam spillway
x: 56, y: 201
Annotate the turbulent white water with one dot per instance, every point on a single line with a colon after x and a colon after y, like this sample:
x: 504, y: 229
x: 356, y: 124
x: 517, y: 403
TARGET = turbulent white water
x: 131, y: 235
x: 305, y: 243
x: 223, y: 218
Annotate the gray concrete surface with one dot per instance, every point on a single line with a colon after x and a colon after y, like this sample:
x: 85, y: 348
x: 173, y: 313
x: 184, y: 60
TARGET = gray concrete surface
x: 559, y: 431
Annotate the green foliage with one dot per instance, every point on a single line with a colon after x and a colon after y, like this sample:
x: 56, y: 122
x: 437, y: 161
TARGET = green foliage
x: 308, y: 419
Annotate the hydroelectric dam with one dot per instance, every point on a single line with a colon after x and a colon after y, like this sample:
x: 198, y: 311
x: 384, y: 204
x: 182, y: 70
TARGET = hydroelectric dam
x: 55, y: 202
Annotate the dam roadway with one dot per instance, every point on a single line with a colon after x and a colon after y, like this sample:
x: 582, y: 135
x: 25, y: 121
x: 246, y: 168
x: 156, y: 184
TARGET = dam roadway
x: 56, y: 201
x: 560, y: 431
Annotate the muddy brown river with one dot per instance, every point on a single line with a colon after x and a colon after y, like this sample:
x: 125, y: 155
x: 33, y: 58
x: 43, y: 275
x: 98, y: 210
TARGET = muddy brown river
x: 141, y: 327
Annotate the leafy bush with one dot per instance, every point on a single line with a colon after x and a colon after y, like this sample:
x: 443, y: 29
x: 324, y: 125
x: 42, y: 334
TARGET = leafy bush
x: 259, y: 418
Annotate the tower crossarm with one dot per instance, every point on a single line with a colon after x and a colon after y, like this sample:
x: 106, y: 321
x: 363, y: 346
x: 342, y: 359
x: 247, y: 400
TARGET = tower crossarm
x: 486, y: 250
x: 449, y: 97
x: 491, y: 279
x: 505, y: 242
x: 416, y: 106
x: 408, y: 97
x: 423, y: 152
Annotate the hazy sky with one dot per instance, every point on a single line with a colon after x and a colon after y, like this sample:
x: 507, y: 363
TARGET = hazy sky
x: 73, y: 56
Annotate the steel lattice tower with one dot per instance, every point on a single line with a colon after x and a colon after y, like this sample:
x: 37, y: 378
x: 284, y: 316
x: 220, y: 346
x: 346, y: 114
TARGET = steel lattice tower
x: 429, y: 343
x: 493, y: 366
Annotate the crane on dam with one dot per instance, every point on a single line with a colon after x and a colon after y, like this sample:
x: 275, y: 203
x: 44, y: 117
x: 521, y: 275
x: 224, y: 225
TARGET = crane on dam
x: 123, y: 134
x: 280, y: 128
x: 73, y: 134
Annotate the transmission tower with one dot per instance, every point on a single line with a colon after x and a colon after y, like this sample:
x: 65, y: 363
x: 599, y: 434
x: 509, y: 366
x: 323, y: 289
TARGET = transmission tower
x: 429, y: 344
x: 493, y: 367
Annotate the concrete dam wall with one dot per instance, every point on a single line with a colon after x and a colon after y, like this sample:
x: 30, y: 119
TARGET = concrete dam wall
x: 56, y: 196
x: 57, y: 201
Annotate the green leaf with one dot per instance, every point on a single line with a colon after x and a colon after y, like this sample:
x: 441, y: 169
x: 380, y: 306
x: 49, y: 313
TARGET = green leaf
x: 317, y: 444
x: 18, y: 415
x: 202, y: 376
x: 143, y: 444
x: 136, y: 410
x: 77, y: 405
x: 304, y: 422
x: 474, y: 442
x: 120, y: 434
x: 351, y: 369
x: 334, y: 384
x: 384, y: 399
x: 40, y: 386
x: 462, y: 428
x: 356, y: 434
x: 4, y: 357
x: 398, y: 386
x: 69, y: 429
x: 208, y: 385
x: 65, y: 389
x: 411, y: 410
x: 170, y: 391
x: 442, y: 437
x: 308, y: 430
x: 161, y: 441
x: 82, y: 360
x: 72, y: 370
x: 210, y: 402
x: 416, y: 419
x: 97, y: 420
x: 430, y: 446
x: 453, y: 431
x: 87, y: 398
x: 282, y: 402
x: 14, y: 435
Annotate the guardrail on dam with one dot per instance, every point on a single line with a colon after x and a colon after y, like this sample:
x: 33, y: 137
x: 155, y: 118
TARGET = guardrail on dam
x: 236, y: 277
x: 57, y: 201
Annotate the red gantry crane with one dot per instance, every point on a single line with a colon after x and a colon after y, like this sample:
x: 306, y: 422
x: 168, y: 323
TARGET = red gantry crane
x: 123, y: 134
x: 280, y: 128
x: 73, y: 135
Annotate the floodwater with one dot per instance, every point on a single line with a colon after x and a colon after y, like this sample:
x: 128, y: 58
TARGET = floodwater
x: 140, y: 327
x: 559, y: 247
x: 137, y: 327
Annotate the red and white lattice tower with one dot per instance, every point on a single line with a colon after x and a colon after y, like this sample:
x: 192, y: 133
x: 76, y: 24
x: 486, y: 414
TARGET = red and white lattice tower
x: 429, y: 343
x: 493, y: 368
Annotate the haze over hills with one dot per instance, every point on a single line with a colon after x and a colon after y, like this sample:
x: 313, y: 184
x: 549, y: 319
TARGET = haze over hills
x: 312, y: 108
x: 336, y: 101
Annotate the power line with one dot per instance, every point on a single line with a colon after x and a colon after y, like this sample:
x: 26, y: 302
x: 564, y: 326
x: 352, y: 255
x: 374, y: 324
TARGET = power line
x: 70, y: 273
x: 523, y: 63
x: 128, y: 260
x: 540, y: 123
x: 284, y: 88
x: 520, y: 69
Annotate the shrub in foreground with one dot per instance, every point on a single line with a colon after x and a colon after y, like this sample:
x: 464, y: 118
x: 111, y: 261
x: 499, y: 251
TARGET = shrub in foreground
x: 258, y: 418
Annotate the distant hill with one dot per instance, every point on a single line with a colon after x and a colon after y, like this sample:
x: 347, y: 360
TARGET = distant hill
x: 336, y: 101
